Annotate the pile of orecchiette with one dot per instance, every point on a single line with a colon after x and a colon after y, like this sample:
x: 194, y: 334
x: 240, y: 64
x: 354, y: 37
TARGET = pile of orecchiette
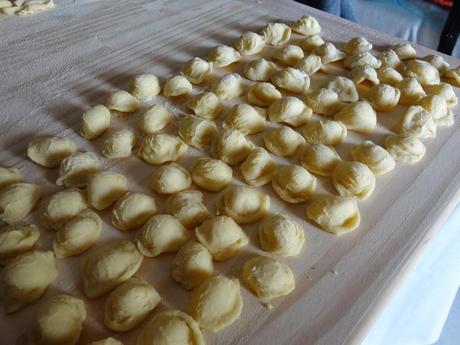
x: 296, y: 121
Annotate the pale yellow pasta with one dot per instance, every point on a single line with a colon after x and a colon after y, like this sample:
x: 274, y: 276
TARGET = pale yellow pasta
x: 288, y: 55
x: 423, y: 71
x: 310, y: 64
x: 222, y: 237
x: 26, y: 277
x: 250, y: 43
x: 17, y: 239
x: 389, y: 58
x: 133, y: 210
x: 358, y: 116
x: 311, y: 42
x: 177, y: 86
x: 244, y: 204
x: 145, y: 87
x: 361, y: 73
x: 293, y: 183
x: 108, y: 266
x: 438, y: 109
x: 119, y: 144
x: 211, y: 174
x: 319, y: 159
x: 196, y: 132
x: 327, y: 132
x: 283, y: 141
x: 335, y: 214
x: 306, y: 25
x: 389, y: 75
x: 362, y: 59
x: 344, y: 88
x: 352, y: 178
x: 383, y: 97
x: 206, y: 105
x: 223, y: 56
x: 161, y: 148
x: 49, y: 151
x: 444, y: 90
x: 104, y: 188
x: 169, y: 179
x: 276, y: 34
x: 246, y: 119
x: 197, y: 70
x: 263, y: 94
x: 289, y: 110
x: 404, y: 51
x: 259, y: 70
x: 258, y: 167
x: 9, y: 176
x: 418, y: 122
x: 453, y: 76
x: 374, y: 156
x: 229, y: 86
x: 17, y: 200
x: 155, y: 119
x: 188, y: 206
x: 405, y: 148
x: 437, y: 62
x: 122, y: 101
x: 106, y: 341
x: 231, y: 146
x: 357, y: 45
x: 75, y: 169
x: 291, y: 79
x: 95, y: 121
x: 329, y: 53
x: 129, y: 305
x: 323, y: 101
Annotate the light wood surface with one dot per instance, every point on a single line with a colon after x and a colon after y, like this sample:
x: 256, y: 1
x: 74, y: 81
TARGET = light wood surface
x: 55, y: 65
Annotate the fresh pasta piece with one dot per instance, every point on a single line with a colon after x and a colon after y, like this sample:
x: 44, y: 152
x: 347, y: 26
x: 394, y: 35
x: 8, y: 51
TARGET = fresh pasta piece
x: 383, y: 97
x: 289, y: 110
x: 231, y: 146
x: 145, y: 87
x: 170, y: 179
x: 423, y: 71
x: 438, y: 109
x: 358, y: 116
x: 389, y: 75
x: 357, y: 45
x: 291, y: 79
x: 197, y: 70
x: 259, y: 70
x: 106, y: 341
x: 362, y: 59
x: 244, y: 204
x: 75, y: 170
x: 329, y: 53
x: 171, y: 324
x: 155, y: 119
x: 9, y: 176
x: 453, y: 76
x: 293, y: 183
x: 188, y: 207
x: 258, y: 167
x: 162, y: 233
x: 246, y: 119
x: 108, y: 266
x: 418, y: 122
x: 263, y: 94
x: 361, y: 73
x: 444, y: 90
x: 132, y: 210
x: 311, y: 42
x: 211, y: 174
x: 405, y: 148
x: 26, y: 277
x: 319, y: 159
x: 216, y: 303
x: 222, y: 237
x: 335, y: 214
x: 160, y: 148
x: 95, y: 122
x: 49, y: 151
x: 276, y: 34
x: 411, y: 91
x: 281, y: 235
x: 206, y: 104
x: 374, y: 156
x: 306, y: 25
x: 119, y: 144
x: 229, y: 86
x: 17, y: 239
x: 437, y: 62
x: 196, y: 132
x: 344, y: 88
x: 405, y: 51
x: 192, y: 265
x: 268, y: 278
x: 78, y: 234
x: 104, y: 188
x: 327, y: 132
x: 288, y: 55
x: 62, y: 207
x: 353, y: 179
x: 390, y: 58
x: 310, y: 64
x: 129, y: 305
x: 177, y: 86
x: 250, y: 43
x: 323, y: 101
x: 17, y: 200
x: 223, y: 56
x: 283, y: 141
x: 122, y: 101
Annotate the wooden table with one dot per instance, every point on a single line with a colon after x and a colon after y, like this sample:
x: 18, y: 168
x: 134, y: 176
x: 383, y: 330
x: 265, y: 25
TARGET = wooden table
x: 56, y: 64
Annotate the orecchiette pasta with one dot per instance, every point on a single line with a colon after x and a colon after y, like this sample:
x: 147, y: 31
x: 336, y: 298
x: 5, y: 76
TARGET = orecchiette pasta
x: 383, y: 97
x: 306, y: 25
x: 129, y: 304
x: 161, y: 234
x: 358, y: 116
x: 95, y: 121
x: 267, y: 278
x: 293, y: 183
x: 155, y: 119
x: 223, y: 56
x: 108, y: 266
x: 259, y: 70
x: 170, y: 179
x: 288, y: 55
x: 222, y: 237
x: 250, y: 43
x: 319, y: 159
x: 192, y: 265
x: 423, y: 71
x: 17, y: 200
x: 133, y: 210
x: 418, y: 122
x: 119, y: 144
x: 17, y: 239
x: 196, y: 132
x: 335, y: 214
x: 207, y: 105
x: 437, y: 107
x: 229, y: 86
x: 327, y: 132
x: 263, y: 94
x: 26, y: 277
x: 374, y: 156
x: 280, y: 235
x: 291, y: 79
x: 258, y: 167
x: 49, y: 151
x: 405, y: 148
x: 197, y: 70
x: 344, y: 88
x: 362, y: 73
x: 283, y: 141
x: 161, y: 148
x: 362, y: 59
x: 188, y: 207
x: 177, y: 86
x: 246, y: 119
x: 404, y: 51
x: 9, y: 176
x: 104, y: 188
x: 389, y: 58
x: 437, y: 62
x: 289, y: 110
x: 329, y: 53
x: 75, y: 169
x: 444, y: 90
x: 357, y: 45
x: 122, y: 101
x: 216, y: 303
x: 244, y: 204
x: 323, y: 101
x: 411, y: 91
x: 276, y: 34
x: 311, y: 42
x: 453, y: 76
x: 106, y: 341
x: 389, y: 75
x: 145, y: 87
x: 211, y: 174
x: 231, y: 146
x: 353, y: 179
x: 310, y: 64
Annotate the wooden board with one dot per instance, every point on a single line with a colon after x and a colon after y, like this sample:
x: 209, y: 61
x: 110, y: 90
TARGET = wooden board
x: 55, y: 65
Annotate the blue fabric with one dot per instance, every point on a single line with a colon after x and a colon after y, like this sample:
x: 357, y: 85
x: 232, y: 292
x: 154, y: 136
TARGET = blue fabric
x: 340, y: 8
